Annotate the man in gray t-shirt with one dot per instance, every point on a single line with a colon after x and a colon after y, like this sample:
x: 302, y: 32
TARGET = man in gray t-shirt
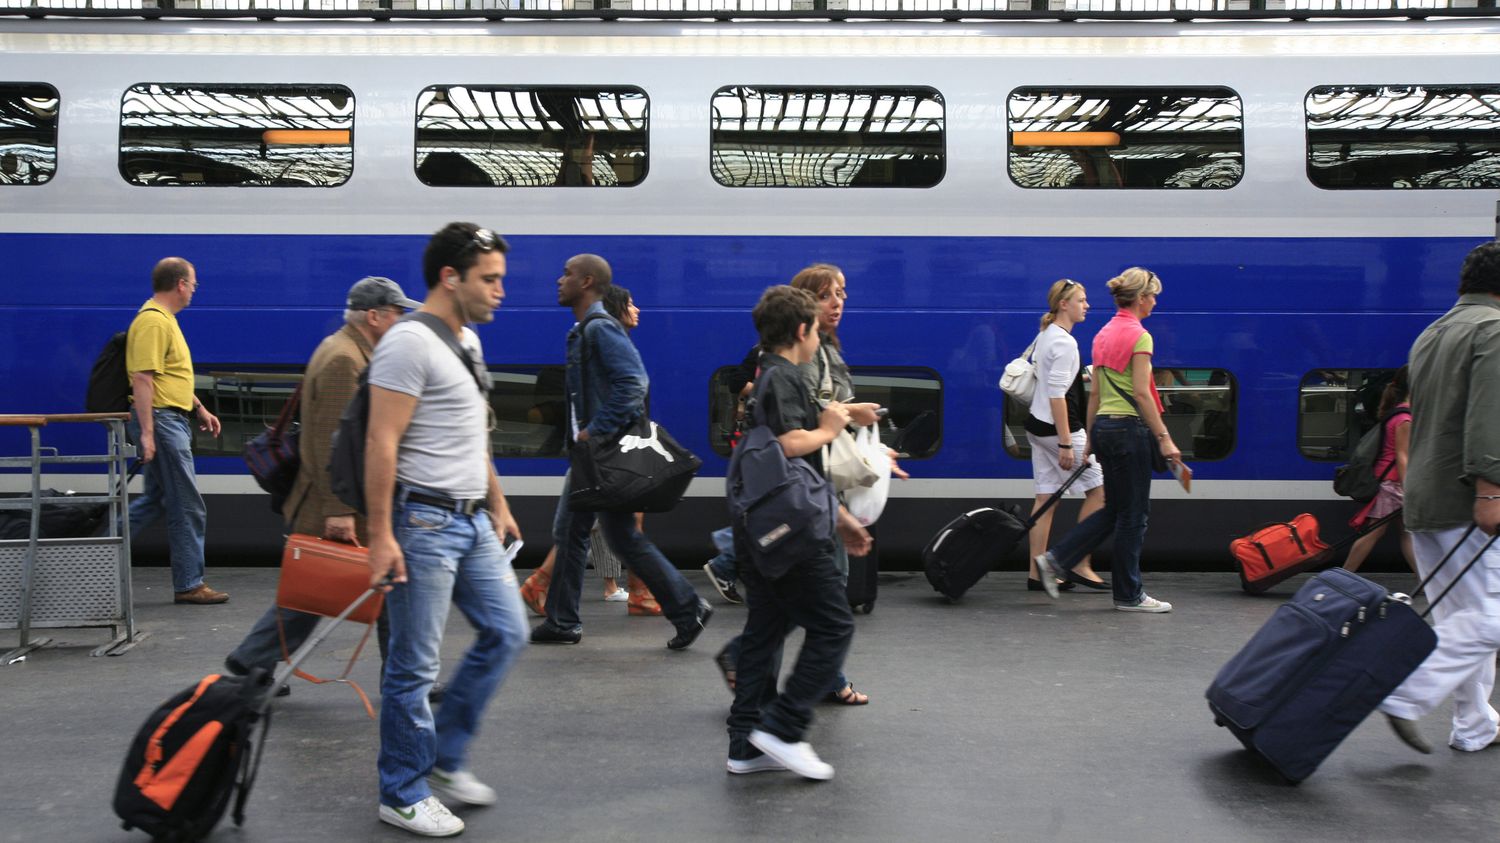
x: 437, y: 520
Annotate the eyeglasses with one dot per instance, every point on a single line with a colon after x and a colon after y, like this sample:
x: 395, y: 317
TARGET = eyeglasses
x: 482, y: 240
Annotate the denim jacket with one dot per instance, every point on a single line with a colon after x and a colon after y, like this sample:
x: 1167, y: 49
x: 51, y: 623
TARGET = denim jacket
x: 616, y: 389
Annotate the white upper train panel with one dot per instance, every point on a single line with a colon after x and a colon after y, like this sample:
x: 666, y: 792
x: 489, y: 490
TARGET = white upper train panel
x: 975, y: 67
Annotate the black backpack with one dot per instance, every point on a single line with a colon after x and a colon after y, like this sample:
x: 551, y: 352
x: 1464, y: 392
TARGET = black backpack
x: 1358, y: 479
x: 346, y: 463
x: 786, y: 509
x: 191, y: 755
x: 109, y: 381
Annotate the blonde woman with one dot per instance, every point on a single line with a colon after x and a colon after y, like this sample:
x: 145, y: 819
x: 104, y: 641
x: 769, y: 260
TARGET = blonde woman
x: 1124, y: 417
x: 1054, y: 426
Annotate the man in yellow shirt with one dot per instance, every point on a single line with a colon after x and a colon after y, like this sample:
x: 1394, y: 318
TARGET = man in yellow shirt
x: 161, y: 379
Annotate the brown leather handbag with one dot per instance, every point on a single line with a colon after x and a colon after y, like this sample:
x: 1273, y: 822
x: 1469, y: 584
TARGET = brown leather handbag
x: 323, y: 577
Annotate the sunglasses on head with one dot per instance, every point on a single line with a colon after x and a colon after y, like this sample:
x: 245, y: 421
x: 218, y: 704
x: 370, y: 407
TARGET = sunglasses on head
x: 482, y: 240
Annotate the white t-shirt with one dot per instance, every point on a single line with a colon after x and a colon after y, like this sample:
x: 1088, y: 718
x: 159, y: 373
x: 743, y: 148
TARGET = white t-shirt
x: 1057, y: 362
x: 446, y: 447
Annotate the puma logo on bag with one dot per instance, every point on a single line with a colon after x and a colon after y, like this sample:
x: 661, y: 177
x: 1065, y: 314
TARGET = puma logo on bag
x: 631, y: 442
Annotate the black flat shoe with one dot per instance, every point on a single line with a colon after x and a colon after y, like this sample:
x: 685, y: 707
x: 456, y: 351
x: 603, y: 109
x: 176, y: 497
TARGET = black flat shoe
x: 686, y: 636
x: 1036, y: 585
x: 1085, y: 582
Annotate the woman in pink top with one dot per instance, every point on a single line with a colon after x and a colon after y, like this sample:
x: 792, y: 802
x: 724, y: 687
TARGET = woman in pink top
x: 1395, y: 414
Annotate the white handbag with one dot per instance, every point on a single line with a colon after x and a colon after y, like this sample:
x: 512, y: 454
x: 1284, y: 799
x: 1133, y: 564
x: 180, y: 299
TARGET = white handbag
x: 1019, y: 379
x: 867, y: 502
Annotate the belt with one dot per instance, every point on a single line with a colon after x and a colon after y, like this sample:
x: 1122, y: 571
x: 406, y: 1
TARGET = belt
x: 1137, y: 418
x: 462, y: 507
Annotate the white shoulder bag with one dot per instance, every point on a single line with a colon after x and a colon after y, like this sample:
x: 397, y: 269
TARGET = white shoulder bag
x: 1019, y: 379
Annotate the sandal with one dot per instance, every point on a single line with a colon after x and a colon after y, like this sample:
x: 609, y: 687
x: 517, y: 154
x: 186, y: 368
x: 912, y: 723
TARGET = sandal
x: 848, y: 696
x: 534, y: 593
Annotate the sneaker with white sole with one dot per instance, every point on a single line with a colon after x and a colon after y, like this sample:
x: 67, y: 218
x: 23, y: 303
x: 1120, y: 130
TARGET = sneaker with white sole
x: 797, y: 757
x: 461, y: 786
x: 1048, y: 573
x: 1147, y: 603
x: 758, y: 764
x: 428, y: 818
x: 619, y: 595
x: 724, y: 587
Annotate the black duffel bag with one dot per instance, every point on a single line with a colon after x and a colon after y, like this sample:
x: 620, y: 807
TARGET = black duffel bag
x: 640, y: 468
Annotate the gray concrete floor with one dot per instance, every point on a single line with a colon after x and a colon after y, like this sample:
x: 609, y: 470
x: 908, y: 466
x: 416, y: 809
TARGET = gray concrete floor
x: 1005, y: 717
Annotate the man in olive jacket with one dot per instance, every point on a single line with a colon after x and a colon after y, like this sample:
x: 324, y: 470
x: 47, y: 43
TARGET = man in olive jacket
x: 374, y: 305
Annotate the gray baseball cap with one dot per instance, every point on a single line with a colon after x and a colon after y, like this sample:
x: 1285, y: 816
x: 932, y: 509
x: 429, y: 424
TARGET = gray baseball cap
x: 374, y: 291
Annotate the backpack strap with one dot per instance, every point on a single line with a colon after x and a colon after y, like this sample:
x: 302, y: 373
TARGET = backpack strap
x: 444, y: 333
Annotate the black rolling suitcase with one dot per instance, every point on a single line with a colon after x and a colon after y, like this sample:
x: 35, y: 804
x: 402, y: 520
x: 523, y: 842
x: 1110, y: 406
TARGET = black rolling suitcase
x: 864, y: 576
x: 972, y: 544
x: 1319, y: 667
x: 198, y: 750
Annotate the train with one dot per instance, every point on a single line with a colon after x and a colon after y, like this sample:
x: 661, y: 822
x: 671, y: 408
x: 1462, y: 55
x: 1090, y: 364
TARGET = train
x: 1306, y: 192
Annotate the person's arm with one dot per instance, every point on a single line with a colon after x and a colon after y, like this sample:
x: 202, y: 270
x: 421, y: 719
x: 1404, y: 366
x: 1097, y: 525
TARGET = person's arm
x: 326, y: 396
x: 500, y: 514
x: 1092, y: 413
x: 1140, y: 385
x: 799, y: 442
x: 143, y: 387
x: 1481, y: 433
x: 628, y: 382
x: 390, y: 415
x: 1064, y: 435
x: 1403, y: 449
x: 206, y: 420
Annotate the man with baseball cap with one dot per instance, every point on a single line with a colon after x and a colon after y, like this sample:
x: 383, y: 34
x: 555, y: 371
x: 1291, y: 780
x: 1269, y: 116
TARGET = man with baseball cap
x: 373, y: 306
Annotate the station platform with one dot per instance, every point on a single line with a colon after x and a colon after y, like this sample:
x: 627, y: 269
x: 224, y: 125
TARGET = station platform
x: 1007, y: 716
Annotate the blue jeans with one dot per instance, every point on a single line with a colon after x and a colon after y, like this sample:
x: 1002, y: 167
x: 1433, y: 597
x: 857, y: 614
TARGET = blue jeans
x: 172, y: 490
x: 1123, y: 446
x: 722, y: 565
x: 450, y: 558
x: 811, y: 595
x: 570, y: 535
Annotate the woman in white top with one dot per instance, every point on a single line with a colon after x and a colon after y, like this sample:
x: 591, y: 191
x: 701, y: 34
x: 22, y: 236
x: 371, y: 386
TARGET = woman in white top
x: 1054, y: 427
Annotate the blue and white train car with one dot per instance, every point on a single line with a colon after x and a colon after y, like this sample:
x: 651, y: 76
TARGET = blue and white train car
x: 1306, y: 191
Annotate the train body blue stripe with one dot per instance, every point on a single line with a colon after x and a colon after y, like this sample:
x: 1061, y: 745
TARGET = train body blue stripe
x: 1267, y: 309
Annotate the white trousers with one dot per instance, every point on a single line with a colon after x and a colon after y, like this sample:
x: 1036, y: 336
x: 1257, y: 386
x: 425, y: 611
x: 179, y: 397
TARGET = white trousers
x: 1468, y: 631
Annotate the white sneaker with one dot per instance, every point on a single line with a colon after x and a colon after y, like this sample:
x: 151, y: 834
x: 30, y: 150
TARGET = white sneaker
x: 620, y: 595
x: 758, y: 764
x: 797, y: 757
x: 428, y: 818
x: 1147, y: 603
x: 1048, y: 572
x: 461, y: 786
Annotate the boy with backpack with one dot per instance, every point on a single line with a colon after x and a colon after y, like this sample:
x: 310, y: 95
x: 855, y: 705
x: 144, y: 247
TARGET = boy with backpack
x: 789, y: 582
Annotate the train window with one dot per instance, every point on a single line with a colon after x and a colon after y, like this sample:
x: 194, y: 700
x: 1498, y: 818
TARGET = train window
x: 914, y: 426
x: 28, y: 133
x: 827, y: 137
x: 1404, y: 136
x: 530, y: 411
x: 1335, y: 407
x: 237, y: 135
x: 498, y: 136
x: 1199, y: 409
x: 1110, y: 137
x: 528, y: 404
x: 247, y: 400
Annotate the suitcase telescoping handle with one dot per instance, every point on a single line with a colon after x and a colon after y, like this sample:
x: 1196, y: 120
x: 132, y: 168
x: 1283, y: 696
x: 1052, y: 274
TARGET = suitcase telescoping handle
x: 284, y: 673
x: 1472, y: 562
x: 1057, y: 495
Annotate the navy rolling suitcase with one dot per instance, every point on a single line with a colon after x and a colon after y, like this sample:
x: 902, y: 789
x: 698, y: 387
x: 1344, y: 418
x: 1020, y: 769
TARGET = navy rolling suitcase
x: 1319, y: 667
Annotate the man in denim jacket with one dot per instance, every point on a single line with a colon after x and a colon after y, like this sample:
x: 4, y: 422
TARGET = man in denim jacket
x: 604, y: 397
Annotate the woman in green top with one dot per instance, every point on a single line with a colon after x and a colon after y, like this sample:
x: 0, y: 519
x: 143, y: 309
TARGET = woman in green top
x: 1124, y: 416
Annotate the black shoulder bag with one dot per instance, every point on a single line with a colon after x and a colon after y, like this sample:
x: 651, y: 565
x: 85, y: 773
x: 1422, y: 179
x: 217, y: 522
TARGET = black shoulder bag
x: 639, y: 468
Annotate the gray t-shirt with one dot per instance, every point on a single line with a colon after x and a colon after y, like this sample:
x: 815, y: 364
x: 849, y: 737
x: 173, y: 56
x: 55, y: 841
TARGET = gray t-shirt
x: 446, y: 447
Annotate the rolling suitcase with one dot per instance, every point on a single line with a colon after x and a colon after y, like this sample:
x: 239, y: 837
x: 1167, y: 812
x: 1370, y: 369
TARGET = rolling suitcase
x: 1320, y: 666
x: 972, y: 544
x: 864, y: 574
x: 1277, y: 552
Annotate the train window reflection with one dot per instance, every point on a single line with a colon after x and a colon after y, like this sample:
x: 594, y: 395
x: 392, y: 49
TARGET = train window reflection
x: 527, y: 400
x: 1404, y: 136
x: 237, y: 135
x: 28, y: 133
x: 1198, y: 407
x: 496, y: 136
x: 1335, y: 407
x: 914, y: 396
x: 827, y: 137
x: 1126, y: 137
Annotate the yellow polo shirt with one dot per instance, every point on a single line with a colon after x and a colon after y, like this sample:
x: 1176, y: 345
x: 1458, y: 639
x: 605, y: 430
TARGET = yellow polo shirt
x: 155, y: 344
